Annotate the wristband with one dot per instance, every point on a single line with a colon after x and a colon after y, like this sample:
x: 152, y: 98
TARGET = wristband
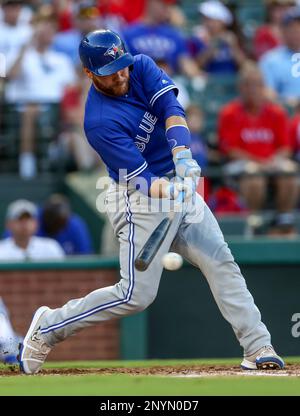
x: 178, y: 136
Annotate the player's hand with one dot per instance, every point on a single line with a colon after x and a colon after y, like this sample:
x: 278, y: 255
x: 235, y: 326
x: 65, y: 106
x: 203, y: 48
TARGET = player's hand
x: 181, y: 190
x: 186, y: 166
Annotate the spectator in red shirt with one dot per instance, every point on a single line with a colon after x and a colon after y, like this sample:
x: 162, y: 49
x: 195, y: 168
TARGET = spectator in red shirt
x: 269, y: 35
x: 253, y: 136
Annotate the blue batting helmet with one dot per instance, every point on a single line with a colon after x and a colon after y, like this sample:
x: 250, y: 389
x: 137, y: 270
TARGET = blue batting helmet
x: 103, y: 52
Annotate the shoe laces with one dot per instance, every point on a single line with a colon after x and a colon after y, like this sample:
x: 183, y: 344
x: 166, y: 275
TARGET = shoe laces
x: 40, y: 355
x: 266, y: 350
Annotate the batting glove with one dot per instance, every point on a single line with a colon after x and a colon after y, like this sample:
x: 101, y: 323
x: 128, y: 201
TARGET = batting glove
x: 186, y: 166
x: 181, y: 190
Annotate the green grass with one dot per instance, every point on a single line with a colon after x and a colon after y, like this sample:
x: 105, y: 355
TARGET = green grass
x: 104, y: 385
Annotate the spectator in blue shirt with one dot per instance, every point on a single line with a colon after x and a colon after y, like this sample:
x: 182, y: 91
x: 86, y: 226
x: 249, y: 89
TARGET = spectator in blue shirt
x: 281, y: 66
x: 155, y: 37
x: 215, y: 47
x: 68, y: 229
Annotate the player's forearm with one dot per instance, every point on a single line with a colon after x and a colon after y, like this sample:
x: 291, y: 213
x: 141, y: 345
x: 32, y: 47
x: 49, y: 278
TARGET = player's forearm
x: 160, y: 187
x: 175, y: 120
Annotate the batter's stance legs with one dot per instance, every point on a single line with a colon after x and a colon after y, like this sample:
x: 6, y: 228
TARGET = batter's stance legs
x: 201, y: 243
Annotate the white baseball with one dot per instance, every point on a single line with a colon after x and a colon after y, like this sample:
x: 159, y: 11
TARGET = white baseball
x: 172, y: 261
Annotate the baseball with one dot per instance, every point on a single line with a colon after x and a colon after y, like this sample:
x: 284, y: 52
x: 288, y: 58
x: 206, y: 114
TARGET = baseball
x: 172, y: 261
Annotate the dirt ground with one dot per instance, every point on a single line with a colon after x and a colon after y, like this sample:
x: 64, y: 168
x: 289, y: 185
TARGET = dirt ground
x: 171, y: 371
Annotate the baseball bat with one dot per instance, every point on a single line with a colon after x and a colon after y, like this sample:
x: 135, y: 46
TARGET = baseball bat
x: 152, y: 245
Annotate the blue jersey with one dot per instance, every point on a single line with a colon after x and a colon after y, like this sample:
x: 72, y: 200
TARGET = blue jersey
x: 161, y: 42
x: 126, y: 131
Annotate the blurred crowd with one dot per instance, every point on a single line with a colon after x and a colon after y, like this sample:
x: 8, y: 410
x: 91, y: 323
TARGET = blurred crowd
x: 47, y: 232
x: 256, y: 142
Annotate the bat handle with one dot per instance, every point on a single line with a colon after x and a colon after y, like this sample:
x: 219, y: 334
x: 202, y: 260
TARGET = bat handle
x: 178, y: 202
x: 180, y: 197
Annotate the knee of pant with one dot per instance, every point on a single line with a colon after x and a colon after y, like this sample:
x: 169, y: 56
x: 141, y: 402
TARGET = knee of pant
x: 140, y: 301
x: 220, y: 256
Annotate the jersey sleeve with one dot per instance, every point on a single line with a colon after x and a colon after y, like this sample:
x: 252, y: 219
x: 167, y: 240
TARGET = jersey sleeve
x: 120, y: 155
x: 155, y: 81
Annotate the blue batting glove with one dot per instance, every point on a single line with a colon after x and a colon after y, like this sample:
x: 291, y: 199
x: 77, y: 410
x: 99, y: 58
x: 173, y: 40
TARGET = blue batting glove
x: 186, y: 166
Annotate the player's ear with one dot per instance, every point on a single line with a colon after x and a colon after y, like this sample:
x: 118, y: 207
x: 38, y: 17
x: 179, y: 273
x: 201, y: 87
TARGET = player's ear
x: 88, y: 73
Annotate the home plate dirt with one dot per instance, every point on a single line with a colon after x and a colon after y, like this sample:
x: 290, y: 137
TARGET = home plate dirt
x: 171, y: 371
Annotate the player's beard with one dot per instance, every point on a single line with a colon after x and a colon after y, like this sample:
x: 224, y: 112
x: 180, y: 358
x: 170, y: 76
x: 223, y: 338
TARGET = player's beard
x: 116, y: 90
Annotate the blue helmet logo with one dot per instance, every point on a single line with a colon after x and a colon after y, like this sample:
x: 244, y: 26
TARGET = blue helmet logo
x: 114, y: 51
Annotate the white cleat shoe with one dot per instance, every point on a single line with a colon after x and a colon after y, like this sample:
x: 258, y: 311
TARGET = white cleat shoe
x: 263, y: 359
x: 34, y: 350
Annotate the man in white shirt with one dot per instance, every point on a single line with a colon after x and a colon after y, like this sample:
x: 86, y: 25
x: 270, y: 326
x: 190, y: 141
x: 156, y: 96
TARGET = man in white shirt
x: 14, y: 33
x: 22, y: 223
x: 37, y: 77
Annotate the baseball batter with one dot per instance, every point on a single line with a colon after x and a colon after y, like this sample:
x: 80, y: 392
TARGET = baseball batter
x: 135, y: 123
